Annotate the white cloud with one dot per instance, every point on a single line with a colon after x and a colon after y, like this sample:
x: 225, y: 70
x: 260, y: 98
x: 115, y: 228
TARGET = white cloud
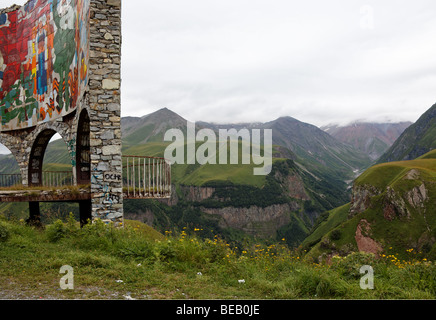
x: 256, y: 60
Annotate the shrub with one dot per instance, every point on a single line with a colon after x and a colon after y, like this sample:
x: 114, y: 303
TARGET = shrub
x: 56, y: 231
x: 135, y: 250
x: 335, y: 235
x: 307, y: 281
x: 96, y: 235
x: 165, y: 250
x: 349, y: 266
x: 4, y: 233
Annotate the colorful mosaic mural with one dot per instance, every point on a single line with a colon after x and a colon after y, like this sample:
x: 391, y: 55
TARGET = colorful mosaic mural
x: 44, y: 52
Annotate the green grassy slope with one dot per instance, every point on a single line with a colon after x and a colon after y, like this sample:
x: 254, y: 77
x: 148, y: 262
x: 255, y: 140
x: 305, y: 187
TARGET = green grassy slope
x: 402, y: 216
x: 137, y: 262
x: 415, y: 141
x: 327, y: 222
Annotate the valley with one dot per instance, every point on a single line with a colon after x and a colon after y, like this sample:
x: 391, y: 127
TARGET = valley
x: 312, y: 172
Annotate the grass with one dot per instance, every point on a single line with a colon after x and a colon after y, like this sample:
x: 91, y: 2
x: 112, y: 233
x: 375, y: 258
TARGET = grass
x: 410, y: 226
x: 139, y: 262
x: 388, y: 173
x: 334, y: 218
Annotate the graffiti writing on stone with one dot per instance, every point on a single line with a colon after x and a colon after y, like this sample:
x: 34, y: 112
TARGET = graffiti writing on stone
x: 44, y: 53
x: 112, y: 176
x: 107, y: 196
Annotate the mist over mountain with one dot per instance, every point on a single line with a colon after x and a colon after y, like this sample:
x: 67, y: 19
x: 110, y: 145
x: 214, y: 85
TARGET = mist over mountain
x: 373, y: 139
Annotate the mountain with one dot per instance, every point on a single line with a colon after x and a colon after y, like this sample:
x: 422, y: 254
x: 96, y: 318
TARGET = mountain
x: 150, y: 128
x: 316, y: 148
x: 313, y: 148
x: 305, y: 181
x: 373, y: 139
x: 392, y: 211
x: 415, y: 141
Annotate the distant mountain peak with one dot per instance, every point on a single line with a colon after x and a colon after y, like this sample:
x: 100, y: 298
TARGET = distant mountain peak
x: 369, y: 137
x: 163, y: 112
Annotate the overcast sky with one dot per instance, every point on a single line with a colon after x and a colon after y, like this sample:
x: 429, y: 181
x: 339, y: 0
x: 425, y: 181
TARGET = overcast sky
x: 255, y: 60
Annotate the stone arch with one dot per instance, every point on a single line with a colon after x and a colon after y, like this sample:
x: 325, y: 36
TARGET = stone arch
x: 12, y: 144
x: 83, y: 149
x: 17, y: 145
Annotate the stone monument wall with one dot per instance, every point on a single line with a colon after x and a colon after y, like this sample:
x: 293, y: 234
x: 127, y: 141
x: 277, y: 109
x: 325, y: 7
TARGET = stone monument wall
x: 60, y: 73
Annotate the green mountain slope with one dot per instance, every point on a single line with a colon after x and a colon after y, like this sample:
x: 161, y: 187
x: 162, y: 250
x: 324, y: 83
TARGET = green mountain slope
x: 415, y: 141
x: 393, y: 209
x: 316, y: 148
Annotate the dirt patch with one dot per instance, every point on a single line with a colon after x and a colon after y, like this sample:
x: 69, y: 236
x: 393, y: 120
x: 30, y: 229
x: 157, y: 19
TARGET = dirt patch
x: 364, y: 242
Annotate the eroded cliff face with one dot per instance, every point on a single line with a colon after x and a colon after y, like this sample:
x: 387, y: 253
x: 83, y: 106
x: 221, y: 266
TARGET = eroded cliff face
x: 254, y: 220
x: 361, y: 198
x: 196, y: 194
x: 406, y: 201
x: 294, y: 186
x: 396, y: 203
x: 364, y: 240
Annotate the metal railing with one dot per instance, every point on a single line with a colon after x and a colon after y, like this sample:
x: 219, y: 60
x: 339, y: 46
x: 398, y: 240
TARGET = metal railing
x: 49, y: 179
x: 57, y: 178
x: 9, y: 180
x: 146, y: 177
x: 143, y: 177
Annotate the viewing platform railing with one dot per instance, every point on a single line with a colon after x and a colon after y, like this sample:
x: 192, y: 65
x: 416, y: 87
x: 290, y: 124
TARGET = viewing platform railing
x: 143, y: 177
x: 49, y: 179
x: 146, y: 177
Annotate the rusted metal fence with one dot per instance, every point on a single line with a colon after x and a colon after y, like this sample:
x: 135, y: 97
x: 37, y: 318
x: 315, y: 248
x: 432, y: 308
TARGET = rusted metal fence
x: 146, y: 177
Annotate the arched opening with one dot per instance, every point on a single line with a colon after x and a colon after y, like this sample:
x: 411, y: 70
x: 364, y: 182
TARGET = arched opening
x: 57, y: 173
x: 83, y: 150
x: 10, y: 178
x: 9, y: 169
x: 36, y: 157
x: 57, y: 165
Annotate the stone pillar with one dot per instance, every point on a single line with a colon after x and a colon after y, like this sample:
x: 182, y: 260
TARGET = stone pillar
x: 105, y: 110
